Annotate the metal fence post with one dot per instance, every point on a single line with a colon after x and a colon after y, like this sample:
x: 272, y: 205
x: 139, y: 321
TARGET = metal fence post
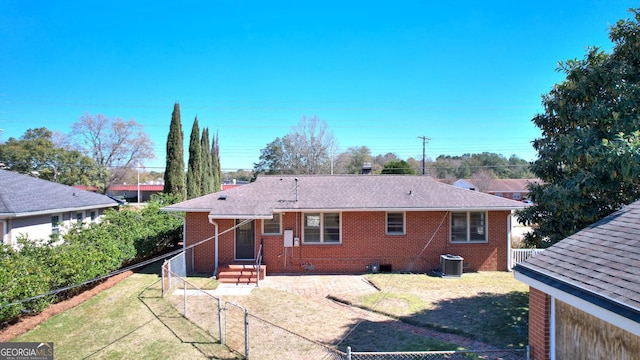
x: 220, y: 322
x: 348, y: 352
x: 246, y: 334
x: 184, y: 285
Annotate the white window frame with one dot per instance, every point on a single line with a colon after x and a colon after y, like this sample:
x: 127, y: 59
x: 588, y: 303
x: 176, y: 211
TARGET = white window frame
x: 322, y: 229
x: 468, y: 226
x: 404, y: 223
x: 55, y: 228
x: 275, y: 216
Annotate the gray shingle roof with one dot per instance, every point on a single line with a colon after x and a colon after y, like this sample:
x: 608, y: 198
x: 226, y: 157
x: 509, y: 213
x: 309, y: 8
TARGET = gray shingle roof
x: 23, y: 195
x: 600, y: 263
x: 341, y: 192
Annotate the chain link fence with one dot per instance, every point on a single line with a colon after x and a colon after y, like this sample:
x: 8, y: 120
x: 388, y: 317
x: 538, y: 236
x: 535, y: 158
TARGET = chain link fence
x: 257, y: 338
x: 510, y: 354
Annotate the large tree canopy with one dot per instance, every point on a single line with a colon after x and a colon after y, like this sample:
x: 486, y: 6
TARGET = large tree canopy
x: 588, y: 152
x: 37, y: 153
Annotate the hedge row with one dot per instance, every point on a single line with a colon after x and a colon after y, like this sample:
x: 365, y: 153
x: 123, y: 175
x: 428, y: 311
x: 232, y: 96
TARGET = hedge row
x: 121, y: 238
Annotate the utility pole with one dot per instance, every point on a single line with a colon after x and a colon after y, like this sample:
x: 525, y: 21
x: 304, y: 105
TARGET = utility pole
x: 424, y: 143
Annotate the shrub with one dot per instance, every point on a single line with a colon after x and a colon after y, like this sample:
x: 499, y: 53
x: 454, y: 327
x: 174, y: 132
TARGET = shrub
x: 121, y: 238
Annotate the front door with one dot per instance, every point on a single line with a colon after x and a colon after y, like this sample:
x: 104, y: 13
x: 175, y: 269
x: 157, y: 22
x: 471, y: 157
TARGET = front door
x: 245, y: 241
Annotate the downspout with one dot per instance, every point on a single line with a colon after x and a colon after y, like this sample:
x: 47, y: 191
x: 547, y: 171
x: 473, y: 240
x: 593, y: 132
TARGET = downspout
x: 215, y: 261
x: 509, y: 257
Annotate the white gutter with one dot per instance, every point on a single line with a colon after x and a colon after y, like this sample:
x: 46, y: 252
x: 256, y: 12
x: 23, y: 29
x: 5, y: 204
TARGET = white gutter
x: 55, y: 211
x: 509, y: 257
x: 586, y: 306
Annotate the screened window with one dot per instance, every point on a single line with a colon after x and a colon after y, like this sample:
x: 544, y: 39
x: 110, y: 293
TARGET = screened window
x: 55, y: 224
x: 321, y: 228
x: 272, y: 226
x: 468, y: 227
x: 395, y: 223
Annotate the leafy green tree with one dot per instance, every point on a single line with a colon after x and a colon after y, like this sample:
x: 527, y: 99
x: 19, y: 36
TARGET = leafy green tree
x: 174, y: 177
x: 350, y: 161
x: 208, y: 179
x: 194, y: 171
x: 398, y: 167
x: 588, y: 152
x: 36, y: 153
x: 215, y: 164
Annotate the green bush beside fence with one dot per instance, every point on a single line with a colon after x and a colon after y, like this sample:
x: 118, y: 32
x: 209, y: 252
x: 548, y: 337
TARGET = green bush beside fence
x: 121, y: 238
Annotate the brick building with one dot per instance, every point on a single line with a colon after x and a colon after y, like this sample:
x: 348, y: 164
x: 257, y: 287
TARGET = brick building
x: 347, y: 224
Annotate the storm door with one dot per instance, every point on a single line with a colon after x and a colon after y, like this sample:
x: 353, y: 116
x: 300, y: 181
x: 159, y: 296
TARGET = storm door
x: 245, y: 241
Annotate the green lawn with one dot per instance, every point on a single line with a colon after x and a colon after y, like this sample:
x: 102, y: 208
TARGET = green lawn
x: 132, y: 320
x: 127, y: 321
x: 487, y: 306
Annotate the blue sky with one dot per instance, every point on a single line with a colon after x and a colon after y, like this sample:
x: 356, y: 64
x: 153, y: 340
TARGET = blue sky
x: 468, y: 75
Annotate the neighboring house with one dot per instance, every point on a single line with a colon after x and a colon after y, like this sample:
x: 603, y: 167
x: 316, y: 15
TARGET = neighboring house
x: 130, y: 192
x: 584, y: 292
x: 40, y: 208
x: 348, y: 224
x: 515, y: 189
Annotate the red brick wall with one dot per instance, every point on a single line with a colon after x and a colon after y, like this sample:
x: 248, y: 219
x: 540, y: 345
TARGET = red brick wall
x: 539, y: 320
x: 364, y: 241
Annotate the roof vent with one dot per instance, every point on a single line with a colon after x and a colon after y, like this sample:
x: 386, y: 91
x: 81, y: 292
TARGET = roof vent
x: 222, y: 197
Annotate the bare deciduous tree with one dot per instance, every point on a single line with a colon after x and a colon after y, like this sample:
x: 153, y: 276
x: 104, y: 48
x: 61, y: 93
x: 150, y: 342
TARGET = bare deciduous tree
x: 114, y: 144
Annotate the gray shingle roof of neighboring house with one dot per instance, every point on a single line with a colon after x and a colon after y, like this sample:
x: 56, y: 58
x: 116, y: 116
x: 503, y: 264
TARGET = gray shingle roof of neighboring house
x: 269, y: 194
x: 600, y: 264
x: 23, y: 195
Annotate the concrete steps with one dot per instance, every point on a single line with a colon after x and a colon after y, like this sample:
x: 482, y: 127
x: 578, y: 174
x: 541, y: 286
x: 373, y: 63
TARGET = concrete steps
x: 240, y: 273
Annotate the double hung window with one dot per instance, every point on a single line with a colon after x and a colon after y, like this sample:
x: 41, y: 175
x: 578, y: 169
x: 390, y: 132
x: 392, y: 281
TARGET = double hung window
x: 468, y: 226
x: 321, y: 228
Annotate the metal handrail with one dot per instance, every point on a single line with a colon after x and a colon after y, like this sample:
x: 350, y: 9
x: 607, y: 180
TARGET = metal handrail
x: 258, y: 266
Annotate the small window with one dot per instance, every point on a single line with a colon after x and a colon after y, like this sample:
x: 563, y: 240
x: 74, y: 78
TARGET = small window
x: 79, y: 216
x: 499, y: 194
x: 468, y: 227
x: 517, y: 196
x: 55, y: 224
x: 272, y: 226
x: 92, y: 216
x: 321, y: 228
x: 395, y: 223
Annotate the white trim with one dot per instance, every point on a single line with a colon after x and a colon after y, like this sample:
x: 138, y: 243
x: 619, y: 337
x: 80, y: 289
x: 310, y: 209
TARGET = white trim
x: 3, y: 232
x: 388, y: 209
x: 279, y: 225
x: 588, y: 307
x: 404, y: 223
x: 322, y: 240
x: 468, y: 226
x: 55, y: 211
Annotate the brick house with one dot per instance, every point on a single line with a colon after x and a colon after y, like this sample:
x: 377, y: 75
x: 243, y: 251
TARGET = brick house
x: 347, y: 224
x: 584, y: 292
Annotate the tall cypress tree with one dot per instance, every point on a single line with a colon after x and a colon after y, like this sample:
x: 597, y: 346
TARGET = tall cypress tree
x: 174, y: 180
x: 194, y: 171
x: 215, y: 164
x: 206, y: 184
